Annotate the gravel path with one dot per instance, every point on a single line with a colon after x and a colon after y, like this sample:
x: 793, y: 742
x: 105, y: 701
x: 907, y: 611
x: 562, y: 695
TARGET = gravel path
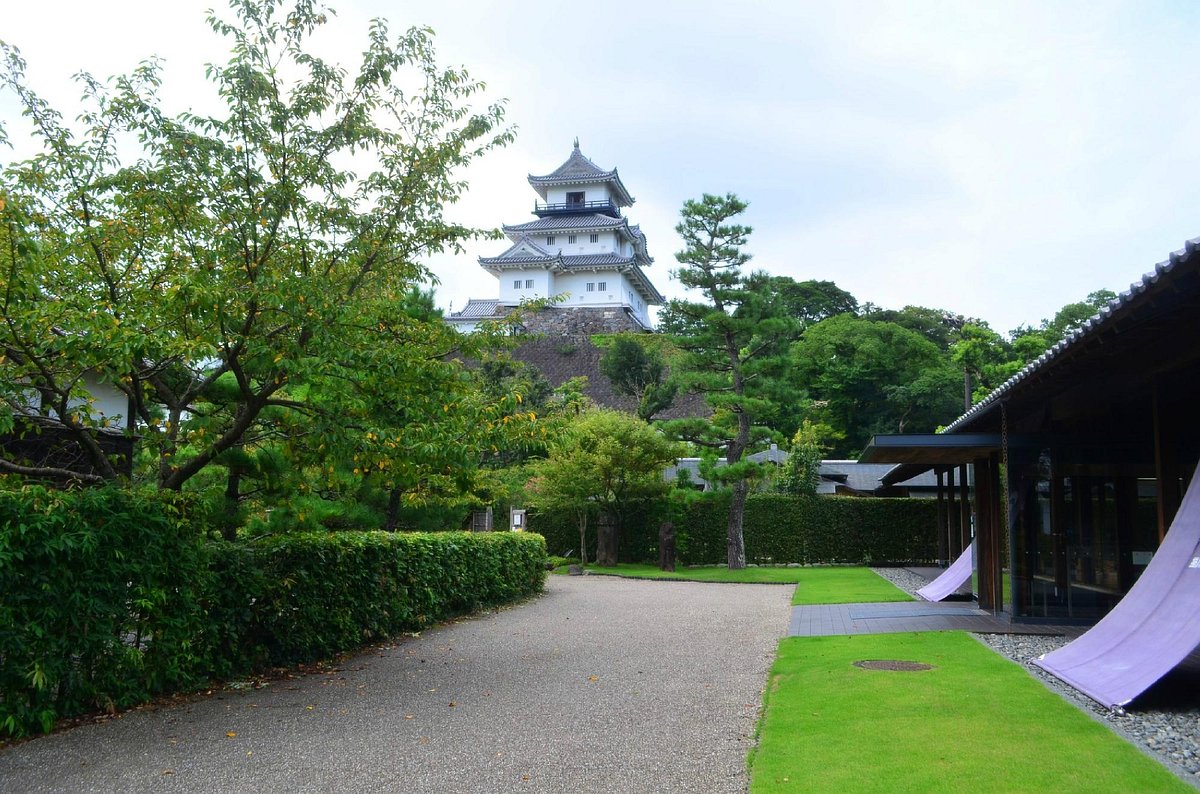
x: 602, y: 684
x: 1164, y: 722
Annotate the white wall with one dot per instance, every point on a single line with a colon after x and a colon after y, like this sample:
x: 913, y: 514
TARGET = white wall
x: 543, y: 285
x: 618, y: 291
x: 593, y: 192
x: 107, y: 402
x: 606, y: 242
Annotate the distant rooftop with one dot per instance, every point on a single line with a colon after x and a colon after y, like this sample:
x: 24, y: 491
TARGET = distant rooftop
x: 479, y: 309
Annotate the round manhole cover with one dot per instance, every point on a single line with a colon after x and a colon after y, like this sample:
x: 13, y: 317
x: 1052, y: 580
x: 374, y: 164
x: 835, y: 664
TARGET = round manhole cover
x: 894, y: 665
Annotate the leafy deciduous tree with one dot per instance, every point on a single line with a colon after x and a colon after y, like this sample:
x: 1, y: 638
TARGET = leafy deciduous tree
x: 807, y: 302
x: 605, y: 461
x: 874, y: 377
x: 244, y: 279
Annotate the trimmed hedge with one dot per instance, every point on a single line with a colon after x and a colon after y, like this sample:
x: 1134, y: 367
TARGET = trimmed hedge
x: 295, y: 598
x: 100, y: 600
x: 108, y: 597
x: 777, y: 529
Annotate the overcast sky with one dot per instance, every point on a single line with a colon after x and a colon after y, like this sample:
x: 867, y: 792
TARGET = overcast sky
x: 994, y: 159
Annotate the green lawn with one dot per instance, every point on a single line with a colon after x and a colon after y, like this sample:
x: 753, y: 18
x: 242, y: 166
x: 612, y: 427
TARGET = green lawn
x: 708, y: 573
x: 816, y: 585
x: 976, y: 722
x: 845, y: 586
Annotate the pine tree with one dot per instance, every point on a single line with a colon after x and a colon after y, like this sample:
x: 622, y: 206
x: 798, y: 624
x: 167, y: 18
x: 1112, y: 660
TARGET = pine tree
x: 735, y: 352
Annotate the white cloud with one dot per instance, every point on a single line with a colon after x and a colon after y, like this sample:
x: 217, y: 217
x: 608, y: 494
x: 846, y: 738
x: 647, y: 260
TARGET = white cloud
x: 998, y: 159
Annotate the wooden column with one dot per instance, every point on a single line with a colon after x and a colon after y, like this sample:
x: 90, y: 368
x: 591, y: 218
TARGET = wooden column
x: 987, y: 535
x: 955, y: 545
x: 1166, y: 467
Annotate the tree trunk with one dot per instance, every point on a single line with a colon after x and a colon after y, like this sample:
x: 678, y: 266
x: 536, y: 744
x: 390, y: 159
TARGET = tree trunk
x: 666, y: 546
x: 737, y: 509
x: 393, y: 511
x: 583, y: 537
x: 229, y: 521
x: 606, y: 541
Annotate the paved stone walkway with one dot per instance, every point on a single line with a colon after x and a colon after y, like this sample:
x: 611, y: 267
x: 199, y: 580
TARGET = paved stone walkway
x: 602, y: 684
x: 902, y: 616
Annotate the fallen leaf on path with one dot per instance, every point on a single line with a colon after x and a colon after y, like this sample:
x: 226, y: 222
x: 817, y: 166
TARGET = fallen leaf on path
x: 593, y: 678
x: 230, y: 734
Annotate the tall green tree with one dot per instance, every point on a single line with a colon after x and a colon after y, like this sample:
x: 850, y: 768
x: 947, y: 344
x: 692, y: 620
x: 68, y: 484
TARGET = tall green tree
x: 243, y: 277
x: 1074, y: 315
x: 807, y: 302
x: 733, y: 348
x: 875, y: 377
x: 637, y: 371
x: 939, y: 326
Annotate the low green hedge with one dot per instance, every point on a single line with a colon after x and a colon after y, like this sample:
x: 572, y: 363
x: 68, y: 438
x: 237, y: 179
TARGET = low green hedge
x: 314, y: 594
x: 776, y: 529
x: 109, y: 597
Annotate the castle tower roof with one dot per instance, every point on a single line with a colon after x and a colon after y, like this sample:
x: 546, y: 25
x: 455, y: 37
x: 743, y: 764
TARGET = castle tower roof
x: 579, y: 170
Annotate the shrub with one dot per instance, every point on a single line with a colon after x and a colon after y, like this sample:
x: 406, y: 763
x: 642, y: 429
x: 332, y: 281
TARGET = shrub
x: 318, y: 594
x: 109, y: 597
x: 99, y: 602
x: 778, y: 529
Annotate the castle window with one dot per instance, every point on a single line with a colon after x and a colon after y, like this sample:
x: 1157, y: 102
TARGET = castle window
x: 593, y: 238
x: 571, y: 239
x: 550, y: 239
x: 591, y: 286
x: 517, y: 284
x: 528, y: 283
x: 575, y: 198
x: 603, y: 285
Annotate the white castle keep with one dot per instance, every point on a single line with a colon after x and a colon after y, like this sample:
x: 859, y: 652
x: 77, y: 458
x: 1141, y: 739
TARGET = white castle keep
x: 580, y: 249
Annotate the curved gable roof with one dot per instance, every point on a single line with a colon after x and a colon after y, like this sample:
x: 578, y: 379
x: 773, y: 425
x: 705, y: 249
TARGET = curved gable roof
x: 579, y: 170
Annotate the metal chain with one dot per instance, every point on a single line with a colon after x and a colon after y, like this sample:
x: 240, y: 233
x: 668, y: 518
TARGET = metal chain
x: 1004, y: 491
x: 1004, y: 459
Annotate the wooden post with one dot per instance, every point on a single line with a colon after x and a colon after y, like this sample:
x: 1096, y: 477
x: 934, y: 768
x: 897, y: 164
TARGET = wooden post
x: 989, y: 519
x: 1166, y: 468
x: 606, y: 541
x: 666, y: 546
x: 952, y: 517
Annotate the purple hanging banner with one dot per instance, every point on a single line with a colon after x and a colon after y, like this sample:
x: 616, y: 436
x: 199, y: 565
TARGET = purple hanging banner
x: 1153, y: 628
x: 952, y: 578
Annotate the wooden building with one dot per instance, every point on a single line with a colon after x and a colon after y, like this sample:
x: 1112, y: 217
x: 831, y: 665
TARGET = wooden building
x: 1069, y: 474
